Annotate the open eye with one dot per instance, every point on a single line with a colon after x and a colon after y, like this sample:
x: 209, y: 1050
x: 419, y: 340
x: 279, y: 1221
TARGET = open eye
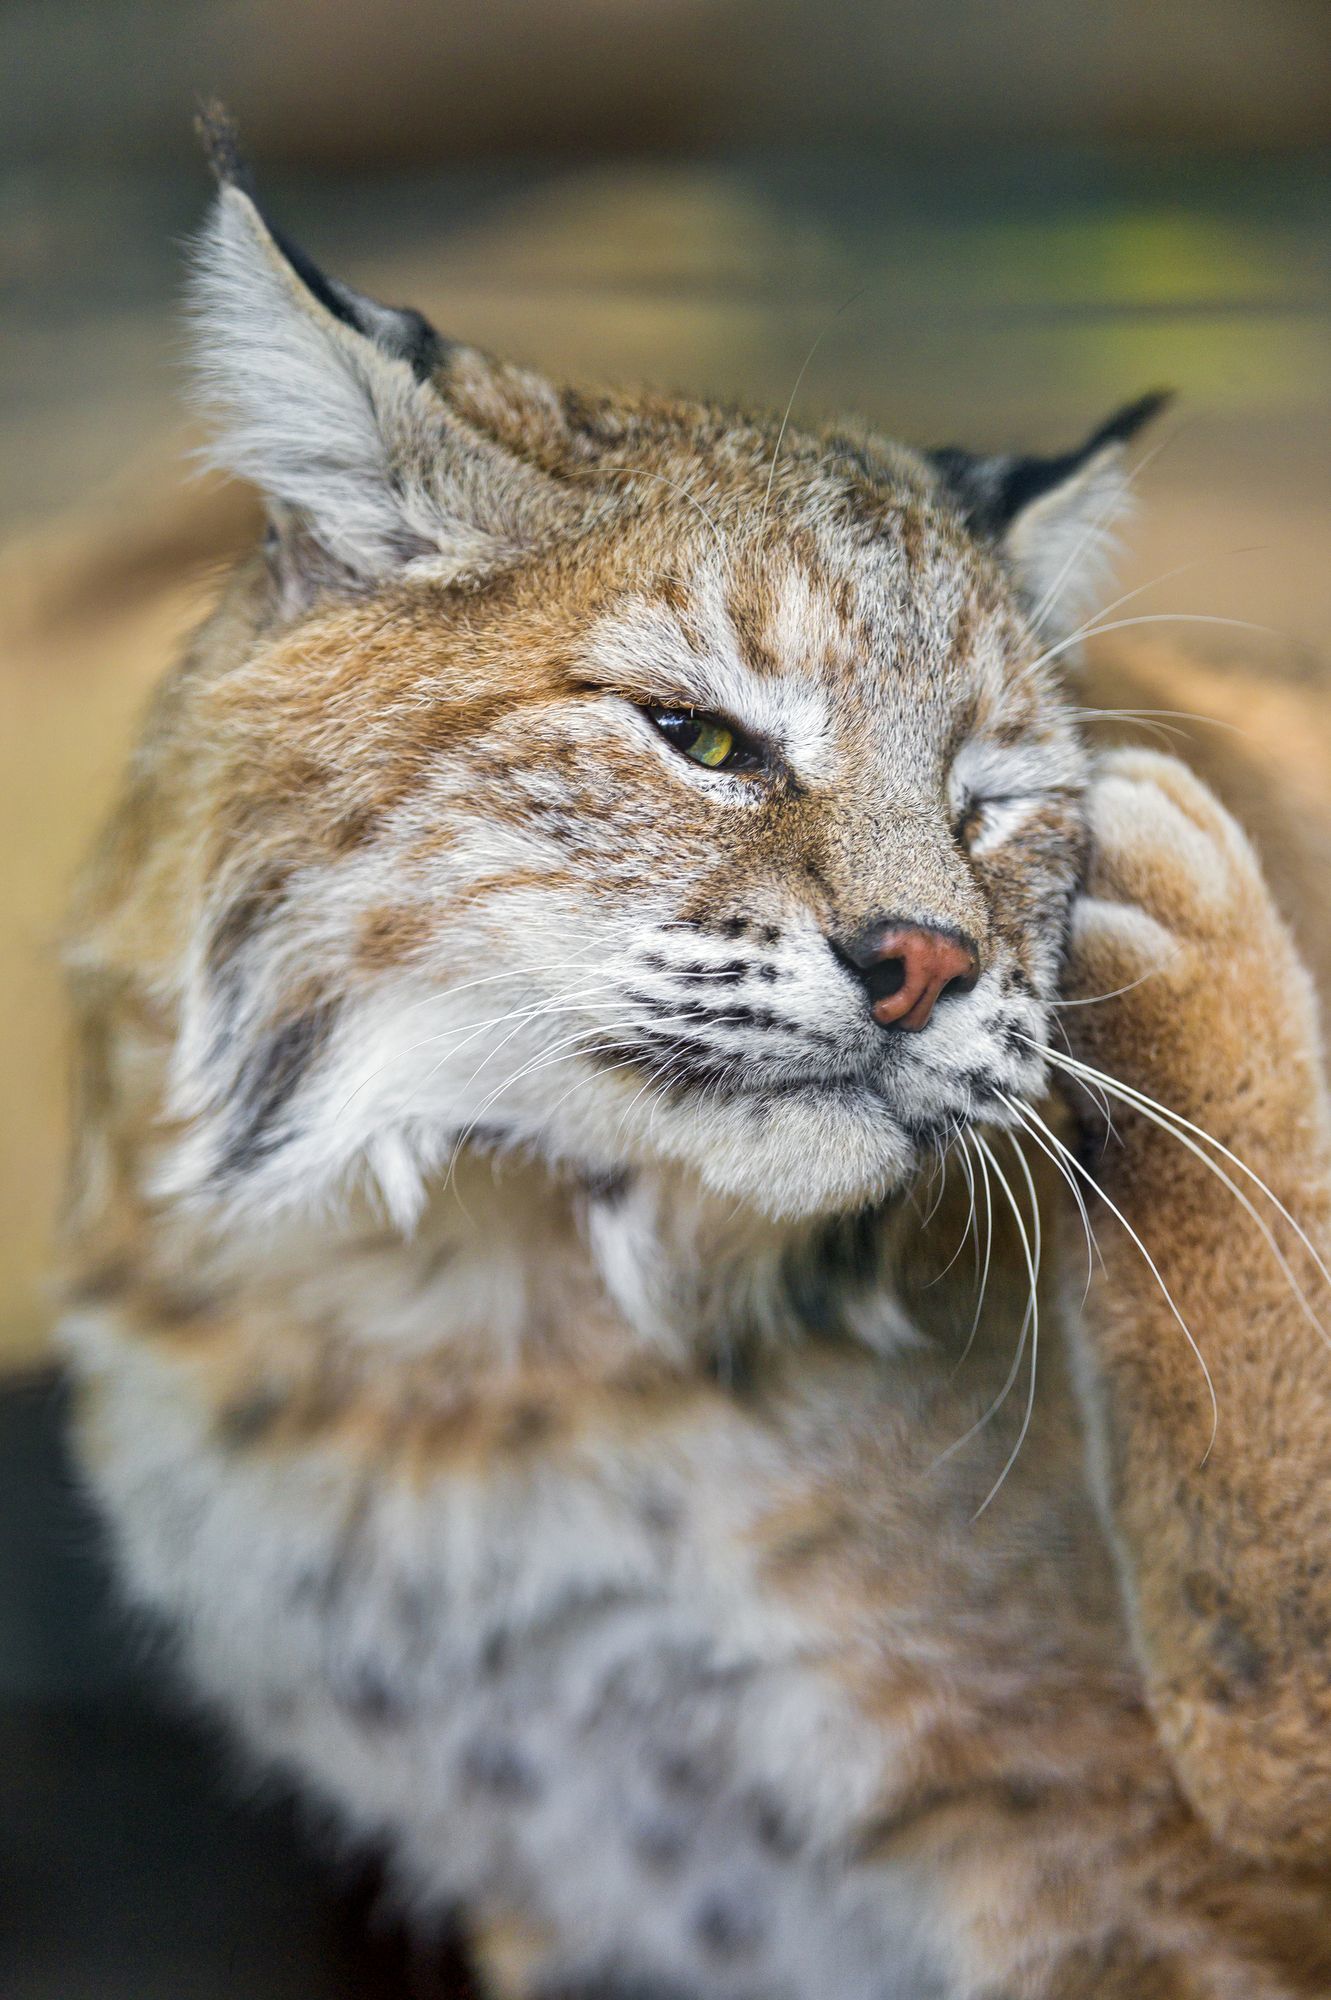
x: 706, y: 739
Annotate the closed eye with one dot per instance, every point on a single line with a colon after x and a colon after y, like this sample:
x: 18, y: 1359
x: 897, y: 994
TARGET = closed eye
x: 994, y: 788
x: 991, y: 818
x: 706, y: 739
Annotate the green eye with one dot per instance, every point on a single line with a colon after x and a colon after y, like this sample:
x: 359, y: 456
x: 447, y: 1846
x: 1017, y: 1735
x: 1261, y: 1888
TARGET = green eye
x: 705, y: 739
x: 708, y: 743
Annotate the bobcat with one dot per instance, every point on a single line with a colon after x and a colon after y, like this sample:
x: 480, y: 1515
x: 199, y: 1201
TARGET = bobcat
x: 617, y: 896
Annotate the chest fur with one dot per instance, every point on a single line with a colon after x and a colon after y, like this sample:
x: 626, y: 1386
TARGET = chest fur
x: 555, y: 1680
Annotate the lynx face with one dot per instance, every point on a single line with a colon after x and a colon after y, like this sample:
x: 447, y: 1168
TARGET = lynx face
x: 591, y: 775
x: 682, y: 945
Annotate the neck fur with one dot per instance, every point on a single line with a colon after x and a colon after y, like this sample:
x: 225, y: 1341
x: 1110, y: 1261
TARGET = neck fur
x: 512, y: 1264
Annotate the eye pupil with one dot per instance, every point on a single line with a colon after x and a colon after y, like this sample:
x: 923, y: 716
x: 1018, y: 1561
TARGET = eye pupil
x: 704, y: 739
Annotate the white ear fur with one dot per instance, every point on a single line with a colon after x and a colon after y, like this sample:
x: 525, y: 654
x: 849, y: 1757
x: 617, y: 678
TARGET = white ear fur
x: 334, y: 425
x: 1062, y: 544
x: 1054, y: 519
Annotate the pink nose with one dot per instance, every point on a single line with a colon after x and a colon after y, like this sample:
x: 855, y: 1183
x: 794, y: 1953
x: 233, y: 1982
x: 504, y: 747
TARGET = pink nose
x: 908, y: 969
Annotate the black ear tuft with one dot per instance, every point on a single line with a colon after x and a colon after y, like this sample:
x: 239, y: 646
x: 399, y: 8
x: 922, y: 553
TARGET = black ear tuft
x: 221, y: 145
x: 397, y: 330
x: 334, y: 406
x: 1124, y: 425
x: 992, y: 491
x: 1053, y: 520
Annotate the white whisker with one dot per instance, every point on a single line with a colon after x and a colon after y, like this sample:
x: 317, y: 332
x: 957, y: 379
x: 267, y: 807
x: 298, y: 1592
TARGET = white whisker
x: 937, y: 1182
x: 530, y: 1010
x: 1155, y: 714
x: 1092, y: 1247
x: 520, y: 1018
x: 983, y: 1285
x: 1032, y: 1312
x: 1094, y: 999
x: 1029, y: 1410
x: 804, y: 368
x: 1139, y: 590
x: 1149, y: 618
x: 1026, y: 1114
x: 562, y: 1051
x: 1094, y: 527
x: 1096, y: 1095
x: 969, y: 1231
x: 1170, y: 1122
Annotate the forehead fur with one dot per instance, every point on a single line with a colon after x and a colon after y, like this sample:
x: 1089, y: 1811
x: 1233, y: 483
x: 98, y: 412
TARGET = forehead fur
x: 677, y: 583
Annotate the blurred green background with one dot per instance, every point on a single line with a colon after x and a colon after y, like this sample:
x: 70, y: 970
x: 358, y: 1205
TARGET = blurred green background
x: 1035, y: 208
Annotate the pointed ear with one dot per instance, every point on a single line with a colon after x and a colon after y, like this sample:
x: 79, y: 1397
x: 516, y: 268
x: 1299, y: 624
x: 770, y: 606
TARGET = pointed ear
x: 1052, y: 518
x: 328, y: 402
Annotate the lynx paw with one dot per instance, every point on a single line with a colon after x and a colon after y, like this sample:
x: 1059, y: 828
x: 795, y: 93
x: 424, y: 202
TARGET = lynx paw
x: 1186, y: 983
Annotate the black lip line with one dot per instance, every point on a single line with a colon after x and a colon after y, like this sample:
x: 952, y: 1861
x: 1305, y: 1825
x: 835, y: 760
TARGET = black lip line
x: 663, y: 1062
x: 700, y: 1074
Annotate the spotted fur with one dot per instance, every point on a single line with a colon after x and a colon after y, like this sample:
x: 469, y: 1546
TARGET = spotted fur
x: 510, y: 1272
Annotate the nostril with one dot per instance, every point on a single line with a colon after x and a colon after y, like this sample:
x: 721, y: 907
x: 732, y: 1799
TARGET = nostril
x: 961, y: 982
x: 885, y: 979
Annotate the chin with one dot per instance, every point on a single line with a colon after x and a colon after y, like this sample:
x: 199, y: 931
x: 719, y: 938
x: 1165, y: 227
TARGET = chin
x: 793, y: 1154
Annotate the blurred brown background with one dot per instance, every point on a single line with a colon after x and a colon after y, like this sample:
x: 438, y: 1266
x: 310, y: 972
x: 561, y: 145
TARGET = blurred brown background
x: 996, y: 218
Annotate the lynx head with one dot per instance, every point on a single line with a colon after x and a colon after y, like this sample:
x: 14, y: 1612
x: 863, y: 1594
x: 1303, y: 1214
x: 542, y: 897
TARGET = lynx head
x: 609, y: 776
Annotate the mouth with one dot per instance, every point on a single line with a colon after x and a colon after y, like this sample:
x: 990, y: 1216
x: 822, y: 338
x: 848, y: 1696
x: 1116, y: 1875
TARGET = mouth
x: 683, y: 1065
x: 820, y: 1132
x: 813, y: 1128
x: 681, y: 1068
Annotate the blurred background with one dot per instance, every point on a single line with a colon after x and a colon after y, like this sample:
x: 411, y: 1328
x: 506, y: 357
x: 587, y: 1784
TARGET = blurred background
x: 989, y: 223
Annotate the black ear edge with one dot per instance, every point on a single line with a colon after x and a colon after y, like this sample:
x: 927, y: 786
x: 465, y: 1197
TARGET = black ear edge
x: 401, y: 330
x: 1123, y: 426
x: 992, y: 492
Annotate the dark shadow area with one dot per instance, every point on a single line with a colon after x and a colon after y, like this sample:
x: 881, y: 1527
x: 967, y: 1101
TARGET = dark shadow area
x: 132, y: 1865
